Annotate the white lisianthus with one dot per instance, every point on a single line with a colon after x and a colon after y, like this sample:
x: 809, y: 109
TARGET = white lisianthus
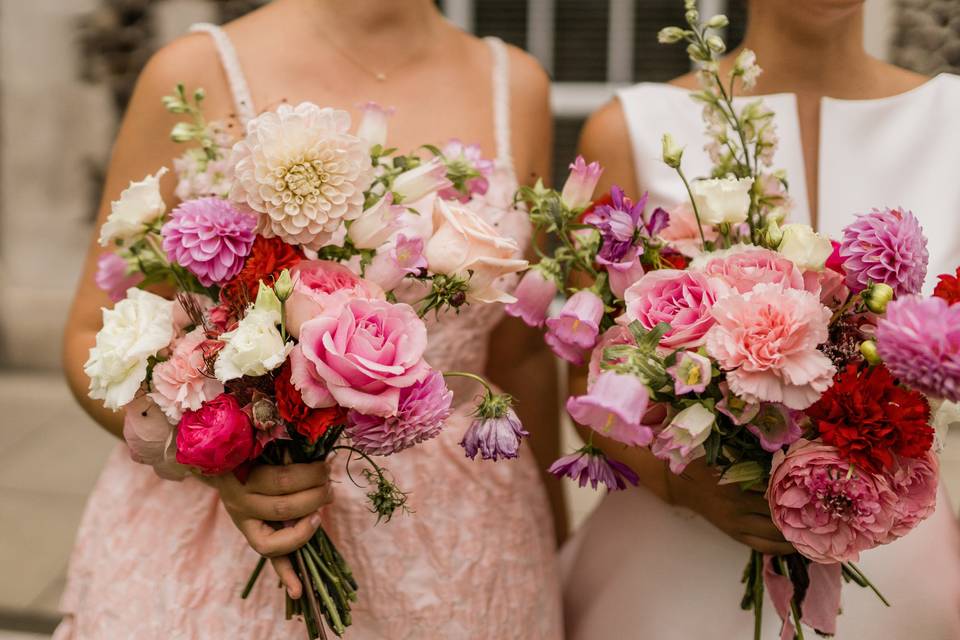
x: 805, y: 247
x: 253, y: 348
x: 722, y: 200
x: 135, y: 329
x: 139, y: 205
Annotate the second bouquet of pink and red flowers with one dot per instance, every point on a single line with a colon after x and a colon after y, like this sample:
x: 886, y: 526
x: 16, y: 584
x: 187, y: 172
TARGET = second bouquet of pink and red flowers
x: 807, y: 368
x: 299, y: 266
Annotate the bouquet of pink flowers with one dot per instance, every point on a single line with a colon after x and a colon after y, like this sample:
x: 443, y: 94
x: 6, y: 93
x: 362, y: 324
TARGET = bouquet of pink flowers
x: 286, y: 338
x: 790, y: 363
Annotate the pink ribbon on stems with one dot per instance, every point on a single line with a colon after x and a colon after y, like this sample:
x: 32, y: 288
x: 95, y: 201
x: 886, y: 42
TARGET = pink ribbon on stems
x: 821, y: 604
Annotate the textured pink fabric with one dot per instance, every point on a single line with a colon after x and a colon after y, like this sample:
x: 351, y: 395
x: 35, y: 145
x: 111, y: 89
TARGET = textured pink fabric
x: 160, y: 559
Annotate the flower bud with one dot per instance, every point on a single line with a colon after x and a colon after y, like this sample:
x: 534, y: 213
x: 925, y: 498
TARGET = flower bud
x: 718, y: 22
x: 283, y: 287
x: 876, y: 297
x: 692, y: 16
x: 182, y: 132
x: 773, y: 234
x: 267, y: 300
x: 868, y: 349
x: 716, y: 44
x: 670, y: 35
x: 672, y: 153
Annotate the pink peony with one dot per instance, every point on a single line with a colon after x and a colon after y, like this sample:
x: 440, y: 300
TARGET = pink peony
x: 743, y: 270
x: 885, y: 246
x: 181, y: 383
x: 827, y: 510
x: 915, y: 481
x: 423, y: 407
x: 767, y: 341
x: 614, y: 407
x: 681, y: 298
x: 361, y: 353
x: 114, y: 277
x: 682, y: 233
x: 319, y: 284
x: 209, y: 237
x: 217, y: 438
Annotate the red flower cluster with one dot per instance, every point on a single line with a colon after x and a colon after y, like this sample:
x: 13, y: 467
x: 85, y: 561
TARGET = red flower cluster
x: 949, y: 287
x: 871, y: 420
x: 267, y: 259
x: 310, y: 423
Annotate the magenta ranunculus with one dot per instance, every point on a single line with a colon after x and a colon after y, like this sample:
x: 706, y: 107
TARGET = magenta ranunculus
x: 114, y: 277
x: 614, y: 407
x: 533, y: 297
x: 362, y: 353
x: 743, y: 270
x: 919, y: 341
x: 216, y: 438
x: 209, y: 237
x: 578, y: 323
x: 828, y: 511
x: 886, y: 247
x: 681, y: 298
x: 915, y: 481
x: 423, y: 408
x: 319, y: 284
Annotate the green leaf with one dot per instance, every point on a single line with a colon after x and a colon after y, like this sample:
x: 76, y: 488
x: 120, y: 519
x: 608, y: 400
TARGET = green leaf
x: 747, y: 472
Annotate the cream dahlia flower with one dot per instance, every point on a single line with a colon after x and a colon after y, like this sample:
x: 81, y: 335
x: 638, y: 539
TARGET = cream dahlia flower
x: 301, y: 170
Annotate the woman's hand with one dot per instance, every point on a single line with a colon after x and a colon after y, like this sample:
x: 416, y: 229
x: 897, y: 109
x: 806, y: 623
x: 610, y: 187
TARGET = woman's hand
x: 292, y: 494
x: 742, y: 515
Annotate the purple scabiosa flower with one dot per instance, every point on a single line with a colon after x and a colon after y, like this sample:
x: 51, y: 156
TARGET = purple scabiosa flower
x: 614, y: 407
x: 578, y: 323
x: 919, y: 342
x: 422, y: 410
x: 691, y: 373
x: 578, y: 189
x: 590, y: 464
x: 210, y: 238
x: 775, y: 426
x: 533, y: 296
x: 496, y: 430
x: 618, y: 223
x: 466, y: 159
x: 113, y: 276
x: 885, y: 246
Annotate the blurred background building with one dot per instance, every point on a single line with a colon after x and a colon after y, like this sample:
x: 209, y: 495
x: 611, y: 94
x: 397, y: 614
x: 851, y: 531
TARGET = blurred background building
x: 66, y: 72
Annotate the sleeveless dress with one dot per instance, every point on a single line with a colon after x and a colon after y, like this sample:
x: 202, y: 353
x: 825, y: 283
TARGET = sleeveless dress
x: 640, y: 569
x: 156, y: 559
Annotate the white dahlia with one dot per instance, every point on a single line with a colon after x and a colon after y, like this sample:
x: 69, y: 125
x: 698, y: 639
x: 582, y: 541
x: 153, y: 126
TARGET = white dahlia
x: 302, y: 171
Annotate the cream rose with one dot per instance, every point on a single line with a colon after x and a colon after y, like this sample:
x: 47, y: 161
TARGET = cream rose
x: 253, y: 348
x: 136, y: 328
x: 139, y: 205
x: 722, y: 200
x: 805, y: 247
x: 463, y: 243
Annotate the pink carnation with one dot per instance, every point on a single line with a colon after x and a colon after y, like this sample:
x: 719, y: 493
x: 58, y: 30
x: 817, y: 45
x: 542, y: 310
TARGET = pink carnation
x: 319, y: 284
x: 829, y: 512
x: 743, y: 270
x: 767, y: 341
x: 681, y: 298
x: 182, y: 383
x: 217, y: 438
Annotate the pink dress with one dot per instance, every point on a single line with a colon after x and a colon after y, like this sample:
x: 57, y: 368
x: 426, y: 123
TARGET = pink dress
x: 476, y: 559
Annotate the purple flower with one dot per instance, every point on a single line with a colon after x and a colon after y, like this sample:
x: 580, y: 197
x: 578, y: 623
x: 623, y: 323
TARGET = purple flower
x: 885, y: 246
x: 590, y: 464
x: 614, y: 407
x: 919, y: 341
x: 775, y: 426
x: 623, y: 274
x: 466, y: 158
x: 113, y: 276
x: 734, y: 407
x: 578, y: 323
x: 618, y: 223
x: 210, y: 238
x: 422, y: 410
x: 496, y: 430
x: 578, y: 189
x: 691, y: 373
x: 534, y: 294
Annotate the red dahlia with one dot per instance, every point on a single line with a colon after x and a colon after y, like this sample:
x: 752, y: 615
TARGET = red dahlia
x: 267, y: 259
x: 870, y: 419
x: 949, y: 287
x: 310, y: 423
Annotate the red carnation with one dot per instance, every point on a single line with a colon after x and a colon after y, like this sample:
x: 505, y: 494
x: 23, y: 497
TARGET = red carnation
x: 949, y: 287
x: 310, y: 423
x: 267, y: 259
x: 871, y: 420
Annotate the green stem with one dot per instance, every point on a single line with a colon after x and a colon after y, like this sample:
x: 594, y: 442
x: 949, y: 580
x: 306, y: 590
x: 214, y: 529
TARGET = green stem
x: 471, y: 376
x: 757, y: 595
x: 855, y: 569
x: 333, y: 614
x: 696, y: 210
x: 313, y: 607
x: 253, y: 578
x: 793, y: 604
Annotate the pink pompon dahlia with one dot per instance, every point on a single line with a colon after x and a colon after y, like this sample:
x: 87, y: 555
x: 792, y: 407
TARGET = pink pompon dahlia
x: 422, y: 410
x: 919, y: 341
x: 209, y: 237
x: 885, y: 246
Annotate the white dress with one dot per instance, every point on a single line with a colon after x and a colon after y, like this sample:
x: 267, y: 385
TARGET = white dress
x: 642, y: 569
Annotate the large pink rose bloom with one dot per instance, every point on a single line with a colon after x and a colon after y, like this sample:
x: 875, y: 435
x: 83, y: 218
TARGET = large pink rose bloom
x: 915, y: 481
x: 217, y: 438
x: 681, y: 298
x: 767, y: 341
x: 181, y: 383
x: 743, y: 270
x: 360, y: 356
x: 317, y: 283
x: 827, y: 512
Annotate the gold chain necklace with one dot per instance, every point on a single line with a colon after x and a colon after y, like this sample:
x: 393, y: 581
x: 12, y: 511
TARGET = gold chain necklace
x: 380, y: 75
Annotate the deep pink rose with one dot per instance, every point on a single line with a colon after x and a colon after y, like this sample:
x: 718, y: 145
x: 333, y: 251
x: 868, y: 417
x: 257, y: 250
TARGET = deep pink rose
x: 362, y: 354
x: 216, y: 438
x: 743, y: 270
x: 318, y: 284
x: 681, y: 298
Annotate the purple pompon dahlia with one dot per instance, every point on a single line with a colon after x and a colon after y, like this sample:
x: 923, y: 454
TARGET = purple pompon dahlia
x: 885, y: 246
x: 590, y: 464
x: 423, y: 408
x: 210, y: 238
x: 919, y: 341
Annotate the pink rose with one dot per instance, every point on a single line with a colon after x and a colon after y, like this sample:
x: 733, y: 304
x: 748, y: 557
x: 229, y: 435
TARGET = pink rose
x: 149, y: 436
x: 681, y: 298
x: 766, y: 340
x: 360, y: 355
x: 743, y: 270
x: 181, y: 383
x: 829, y: 512
x: 915, y: 481
x: 682, y: 233
x: 217, y: 438
x: 318, y: 283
